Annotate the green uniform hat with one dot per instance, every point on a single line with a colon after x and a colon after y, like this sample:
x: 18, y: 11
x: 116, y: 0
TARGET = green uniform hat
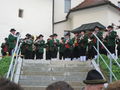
x: 94, y: 77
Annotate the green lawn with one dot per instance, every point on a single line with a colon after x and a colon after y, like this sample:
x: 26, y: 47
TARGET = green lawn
x: 115, y: 68
x: 4, y: 65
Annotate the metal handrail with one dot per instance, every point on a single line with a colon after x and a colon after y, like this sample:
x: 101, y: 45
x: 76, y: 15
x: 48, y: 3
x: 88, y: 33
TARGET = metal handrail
x: 106, y: 63
x: 16, y: 61
x: 106, y: 49
x: 11, y: 69
x: 112, y: 58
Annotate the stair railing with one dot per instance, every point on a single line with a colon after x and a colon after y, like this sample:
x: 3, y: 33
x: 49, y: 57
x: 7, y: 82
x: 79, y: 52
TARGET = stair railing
x: 111, y: 59
x: 14, y: 60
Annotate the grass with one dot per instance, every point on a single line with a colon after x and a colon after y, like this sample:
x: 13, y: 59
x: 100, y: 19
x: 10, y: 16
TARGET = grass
x: 4, y: 65
x: 105, y: 70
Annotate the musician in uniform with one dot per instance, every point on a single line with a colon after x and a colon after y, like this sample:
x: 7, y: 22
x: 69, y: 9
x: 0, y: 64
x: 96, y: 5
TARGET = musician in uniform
x: 28, y: 46
x: 4, y: 47
x: 61, y: 49
x: 40, y: 44
x: 111, y: 39
x: 83, y: 43
x: 99, y: 34
x: 12, y: 39
x: 54, y: 43
x: 68, y: 47
x: 75, y: 46
x: 118, y: 46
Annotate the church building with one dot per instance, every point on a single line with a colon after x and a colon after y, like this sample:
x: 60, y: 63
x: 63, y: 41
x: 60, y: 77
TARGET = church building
x: 55, y: 16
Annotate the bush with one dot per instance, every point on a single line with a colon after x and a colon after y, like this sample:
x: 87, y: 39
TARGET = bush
x: 105, y: 70
x: 4, y: 65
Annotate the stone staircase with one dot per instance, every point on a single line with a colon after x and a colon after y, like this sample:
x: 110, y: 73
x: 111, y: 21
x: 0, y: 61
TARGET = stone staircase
x: 38, y: 74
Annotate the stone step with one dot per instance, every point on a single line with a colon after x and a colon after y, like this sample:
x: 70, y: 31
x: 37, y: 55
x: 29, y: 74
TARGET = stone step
x: 60, y: 69
x: 44, y: 88
x: 38, y: 74
x: 58, y: 62
x: 54, y: 73
x: 51, y: 78
x: 44, y: 84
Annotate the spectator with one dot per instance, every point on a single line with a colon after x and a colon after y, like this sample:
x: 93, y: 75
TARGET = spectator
x: 94, y: 81
x: 61, y: 85
x: 114, y: 86
x: 8, y: 85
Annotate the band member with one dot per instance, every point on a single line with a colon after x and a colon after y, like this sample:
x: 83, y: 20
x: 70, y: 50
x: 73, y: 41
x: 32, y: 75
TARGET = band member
x: 12, y: 39
x: 54, y: 43
x: 75, y: 46
x: 68, y: 47
x: 99, y: 34
x: 111, y: 40
x: 4, y: 47
x: 33, y: 48
x: 83, y: 43
x: 118, y: 45
x: 61, y: 49
x: 48, y: 53
x: 40, y: 44
x: 28, y: 46
x: 90, y: 54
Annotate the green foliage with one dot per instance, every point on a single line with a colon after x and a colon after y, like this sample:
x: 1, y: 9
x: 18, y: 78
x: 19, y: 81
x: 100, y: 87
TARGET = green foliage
x: 105, y: 70
x: 4, y: 65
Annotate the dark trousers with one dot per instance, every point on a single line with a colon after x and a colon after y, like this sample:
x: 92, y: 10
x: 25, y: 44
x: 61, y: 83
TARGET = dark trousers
x: 111, y: 49
x: 82, y: 51
x: 10, y: 51
x: 61, y: 55
x: 48, y: 55
x: 75, y: 52
x: 4, y: 53
x: 54, y: 54
x: 33, y: 54
x: 39, y: 55
x: 28, y: 54
x: 90, y: 53
x: 67, y: 53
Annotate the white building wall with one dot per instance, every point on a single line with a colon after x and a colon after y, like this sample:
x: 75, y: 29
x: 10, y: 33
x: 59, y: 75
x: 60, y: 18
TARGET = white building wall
x: 98, y: 14
x: 61, y: 27
x: 114, y: 17
x: 59, y: 9
x: 8, y: 17
x: 37, y: 17
x: 106, y: 15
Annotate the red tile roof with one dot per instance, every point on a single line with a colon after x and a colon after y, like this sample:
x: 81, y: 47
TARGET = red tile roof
x: 89, y: 3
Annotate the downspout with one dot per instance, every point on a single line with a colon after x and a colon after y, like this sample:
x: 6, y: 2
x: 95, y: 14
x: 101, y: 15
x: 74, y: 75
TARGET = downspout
x: 53, y: 16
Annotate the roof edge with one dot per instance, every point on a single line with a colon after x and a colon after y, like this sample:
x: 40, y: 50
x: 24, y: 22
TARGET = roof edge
x: 107, y: 3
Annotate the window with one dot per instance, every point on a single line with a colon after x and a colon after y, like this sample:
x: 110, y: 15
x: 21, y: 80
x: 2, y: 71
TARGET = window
x: 67, y: 6
x: 119, y: 4
x: 20, y: 13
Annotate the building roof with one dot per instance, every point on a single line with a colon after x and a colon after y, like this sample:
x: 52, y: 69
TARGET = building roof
x: 88, y: 26
x: 92, y: 3
x: 89, y: 4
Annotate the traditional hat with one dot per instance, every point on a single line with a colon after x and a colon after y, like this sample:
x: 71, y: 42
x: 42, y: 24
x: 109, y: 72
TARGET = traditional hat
x: 41, y: 35
x: 12, y: 30
x: 51, y: 36
x: 94, y: 77
x: 55, y: 34
x: 28, y: 35
x: 110, y: 26
x: 62, y: 37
